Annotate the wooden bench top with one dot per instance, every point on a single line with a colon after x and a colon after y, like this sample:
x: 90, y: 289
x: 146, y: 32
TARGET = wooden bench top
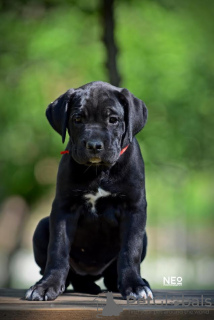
x: 168, y: 304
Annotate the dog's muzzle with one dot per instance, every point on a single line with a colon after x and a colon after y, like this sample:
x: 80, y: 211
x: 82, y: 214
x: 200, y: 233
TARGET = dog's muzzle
x: 94, y: 148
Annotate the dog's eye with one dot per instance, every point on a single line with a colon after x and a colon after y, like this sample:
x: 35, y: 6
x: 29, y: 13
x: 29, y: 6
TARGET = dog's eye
x: 113, y: 120
x: 77, y: 119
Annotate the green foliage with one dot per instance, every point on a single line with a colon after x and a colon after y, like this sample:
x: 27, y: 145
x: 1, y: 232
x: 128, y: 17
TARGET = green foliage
x: 40, y: 59
x: 166, y: 58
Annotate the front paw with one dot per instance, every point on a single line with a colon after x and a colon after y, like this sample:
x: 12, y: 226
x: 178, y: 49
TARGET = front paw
x: 137, y: 288
x: 45, y: 289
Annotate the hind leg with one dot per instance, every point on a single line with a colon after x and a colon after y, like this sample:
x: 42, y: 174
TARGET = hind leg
x: 40, y: 243
x: 84, y: 284
x: 144, y: 246
x: 110, y: 277
x: 144, y: 254
x: 110, y: 273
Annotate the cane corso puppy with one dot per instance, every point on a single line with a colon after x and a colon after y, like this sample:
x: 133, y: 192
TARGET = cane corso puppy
x: 97, y: 223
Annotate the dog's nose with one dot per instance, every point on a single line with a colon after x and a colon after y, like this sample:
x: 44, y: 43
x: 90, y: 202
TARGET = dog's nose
x: 94, y: 145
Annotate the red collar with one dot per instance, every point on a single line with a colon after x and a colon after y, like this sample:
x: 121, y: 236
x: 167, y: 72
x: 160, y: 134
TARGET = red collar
x: 121, y: 152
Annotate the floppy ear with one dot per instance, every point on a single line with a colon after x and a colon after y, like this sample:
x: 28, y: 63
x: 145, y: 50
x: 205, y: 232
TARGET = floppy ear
x: 57, y: 113
x: 135, y: 115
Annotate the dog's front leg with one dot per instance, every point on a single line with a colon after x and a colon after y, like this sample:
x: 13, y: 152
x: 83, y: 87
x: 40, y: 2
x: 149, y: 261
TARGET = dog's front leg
x: 132, y: 230
x: 62, y: 230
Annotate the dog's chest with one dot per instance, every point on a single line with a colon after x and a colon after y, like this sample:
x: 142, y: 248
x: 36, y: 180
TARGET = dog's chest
x: 91, y: 198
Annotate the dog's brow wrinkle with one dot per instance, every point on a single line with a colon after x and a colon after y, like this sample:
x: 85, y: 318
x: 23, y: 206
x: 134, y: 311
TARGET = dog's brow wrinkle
x: 84, y: 98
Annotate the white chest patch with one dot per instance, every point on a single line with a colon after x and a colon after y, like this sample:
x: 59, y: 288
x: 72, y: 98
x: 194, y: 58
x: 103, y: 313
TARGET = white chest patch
x: 92, y: 198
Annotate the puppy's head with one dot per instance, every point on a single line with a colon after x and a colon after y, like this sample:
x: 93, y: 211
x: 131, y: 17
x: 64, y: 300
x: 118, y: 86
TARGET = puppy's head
x: 101, y: 120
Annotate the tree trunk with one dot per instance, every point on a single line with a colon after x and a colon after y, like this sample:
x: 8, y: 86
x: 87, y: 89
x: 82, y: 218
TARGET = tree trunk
x: 108, y: 22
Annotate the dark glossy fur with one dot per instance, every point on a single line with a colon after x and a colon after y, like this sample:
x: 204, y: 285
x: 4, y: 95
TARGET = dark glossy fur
x: 81, y: 242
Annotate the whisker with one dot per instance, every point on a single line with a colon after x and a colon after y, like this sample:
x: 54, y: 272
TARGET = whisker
x: 87, y: 168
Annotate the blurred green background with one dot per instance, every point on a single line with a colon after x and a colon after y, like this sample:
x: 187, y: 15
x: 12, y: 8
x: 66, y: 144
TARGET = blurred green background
x: 165, y: 57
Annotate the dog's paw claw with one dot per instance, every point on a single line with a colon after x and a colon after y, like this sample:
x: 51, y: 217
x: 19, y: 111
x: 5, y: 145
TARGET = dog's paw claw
x: 137, y: 290
x: 144, y: 293
x: 44, y: 291
x: 62, y: 289
x: 28, y: 294
x: 149, y: 293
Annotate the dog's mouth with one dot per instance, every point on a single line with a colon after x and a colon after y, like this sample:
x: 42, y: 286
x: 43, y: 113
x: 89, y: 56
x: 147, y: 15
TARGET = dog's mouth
x: 95, y: 160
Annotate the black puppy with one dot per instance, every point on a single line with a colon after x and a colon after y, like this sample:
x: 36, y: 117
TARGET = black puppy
x: 97, y: 223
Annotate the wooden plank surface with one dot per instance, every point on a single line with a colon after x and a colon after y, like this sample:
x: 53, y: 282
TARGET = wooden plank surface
x: 168, y: 304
